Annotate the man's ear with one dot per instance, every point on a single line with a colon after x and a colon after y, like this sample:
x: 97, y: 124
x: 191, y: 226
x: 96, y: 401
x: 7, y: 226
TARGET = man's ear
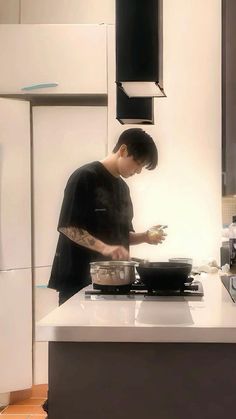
x: 123, y: 152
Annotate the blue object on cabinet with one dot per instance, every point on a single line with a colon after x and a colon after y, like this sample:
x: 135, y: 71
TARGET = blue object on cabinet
x: 39, y: 86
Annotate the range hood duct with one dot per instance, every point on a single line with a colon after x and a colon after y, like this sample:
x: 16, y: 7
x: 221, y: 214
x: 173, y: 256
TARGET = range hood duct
x: 138, y: 110
x: 139, y: 47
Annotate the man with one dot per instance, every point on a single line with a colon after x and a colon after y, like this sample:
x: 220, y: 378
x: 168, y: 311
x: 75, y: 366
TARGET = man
x: 95, y: 222
x: 96, y: 217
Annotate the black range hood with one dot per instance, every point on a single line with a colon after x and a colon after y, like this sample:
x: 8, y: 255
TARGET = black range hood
x: 139, y: 48
x: 136, y: 110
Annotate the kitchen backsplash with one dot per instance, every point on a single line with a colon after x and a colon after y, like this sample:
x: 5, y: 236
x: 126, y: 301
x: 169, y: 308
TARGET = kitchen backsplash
x: 228, y: 209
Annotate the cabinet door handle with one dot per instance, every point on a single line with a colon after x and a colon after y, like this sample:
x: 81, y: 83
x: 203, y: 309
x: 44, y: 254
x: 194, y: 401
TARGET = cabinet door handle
x: 39, y: 86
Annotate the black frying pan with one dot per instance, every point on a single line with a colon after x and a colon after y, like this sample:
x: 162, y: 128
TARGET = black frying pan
x: 164, y: 275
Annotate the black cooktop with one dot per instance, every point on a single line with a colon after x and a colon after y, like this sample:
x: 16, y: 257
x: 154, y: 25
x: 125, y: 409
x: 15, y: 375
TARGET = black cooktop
x: 194, y: 289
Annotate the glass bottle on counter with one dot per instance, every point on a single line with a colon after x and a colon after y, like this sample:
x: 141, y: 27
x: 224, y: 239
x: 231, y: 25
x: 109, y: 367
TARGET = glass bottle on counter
x: 232, y: 242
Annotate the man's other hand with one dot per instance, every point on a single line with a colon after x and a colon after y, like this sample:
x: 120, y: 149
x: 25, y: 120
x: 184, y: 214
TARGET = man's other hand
x: 155, y: 235
x: 115, y: 252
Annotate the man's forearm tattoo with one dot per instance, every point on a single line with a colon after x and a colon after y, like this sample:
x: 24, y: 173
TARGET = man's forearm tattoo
x: 79, y: 236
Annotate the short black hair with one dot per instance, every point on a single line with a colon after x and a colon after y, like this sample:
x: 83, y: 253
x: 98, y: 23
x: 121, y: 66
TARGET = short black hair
x: 140, y: 146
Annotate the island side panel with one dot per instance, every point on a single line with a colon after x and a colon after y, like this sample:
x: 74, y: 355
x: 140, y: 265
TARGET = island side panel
x: 141, y: 380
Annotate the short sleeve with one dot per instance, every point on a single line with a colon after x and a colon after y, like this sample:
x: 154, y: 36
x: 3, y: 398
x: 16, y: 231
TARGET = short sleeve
x: 130, y: 211
x: 76, y: 203
x: 131, y: 227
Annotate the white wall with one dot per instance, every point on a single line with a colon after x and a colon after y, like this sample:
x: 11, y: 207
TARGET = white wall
x: 185, y: 190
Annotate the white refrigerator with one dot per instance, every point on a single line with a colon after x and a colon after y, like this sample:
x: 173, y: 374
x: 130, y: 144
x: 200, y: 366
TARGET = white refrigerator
x: 15, y: 247
x: 34, y: 168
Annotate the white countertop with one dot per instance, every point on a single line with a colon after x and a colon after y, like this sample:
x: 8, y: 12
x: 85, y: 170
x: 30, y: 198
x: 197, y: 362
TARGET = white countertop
x: 167, y: 319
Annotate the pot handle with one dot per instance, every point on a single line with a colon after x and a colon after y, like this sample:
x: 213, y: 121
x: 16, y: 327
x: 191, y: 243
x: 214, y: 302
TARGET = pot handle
x: 140, y: 261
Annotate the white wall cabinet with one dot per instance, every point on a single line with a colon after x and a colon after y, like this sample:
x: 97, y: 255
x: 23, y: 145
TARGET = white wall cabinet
x: 69, y: 11
x: 64, y: 139
x: 72, y: 56
x: 45, y: 300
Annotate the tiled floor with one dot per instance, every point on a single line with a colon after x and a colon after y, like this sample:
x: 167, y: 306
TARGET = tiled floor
x: 27, y: 409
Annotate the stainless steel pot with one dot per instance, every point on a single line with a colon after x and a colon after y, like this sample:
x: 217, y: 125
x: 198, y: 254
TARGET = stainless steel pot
x: 116, y: 274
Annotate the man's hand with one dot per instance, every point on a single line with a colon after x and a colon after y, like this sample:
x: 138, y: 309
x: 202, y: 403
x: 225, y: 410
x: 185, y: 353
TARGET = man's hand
x: 155, y: 235
x: 115, y: 252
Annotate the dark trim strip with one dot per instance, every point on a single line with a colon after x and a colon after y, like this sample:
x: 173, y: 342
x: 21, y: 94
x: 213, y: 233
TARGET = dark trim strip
x: 61, y: 100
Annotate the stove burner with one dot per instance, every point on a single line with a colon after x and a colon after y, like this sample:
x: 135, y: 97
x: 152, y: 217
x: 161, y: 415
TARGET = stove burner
x: 113, y: 289
x: 188, y: 286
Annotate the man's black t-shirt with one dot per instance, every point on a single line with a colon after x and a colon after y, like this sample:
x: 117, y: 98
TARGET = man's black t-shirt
x: 100, y: 203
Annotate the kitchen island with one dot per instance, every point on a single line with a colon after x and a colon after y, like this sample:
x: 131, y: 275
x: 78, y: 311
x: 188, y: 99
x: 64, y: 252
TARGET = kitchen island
x: 171, y: 358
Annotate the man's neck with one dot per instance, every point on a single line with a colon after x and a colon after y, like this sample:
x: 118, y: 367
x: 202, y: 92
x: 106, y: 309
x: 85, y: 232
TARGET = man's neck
x: 110, y: 163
